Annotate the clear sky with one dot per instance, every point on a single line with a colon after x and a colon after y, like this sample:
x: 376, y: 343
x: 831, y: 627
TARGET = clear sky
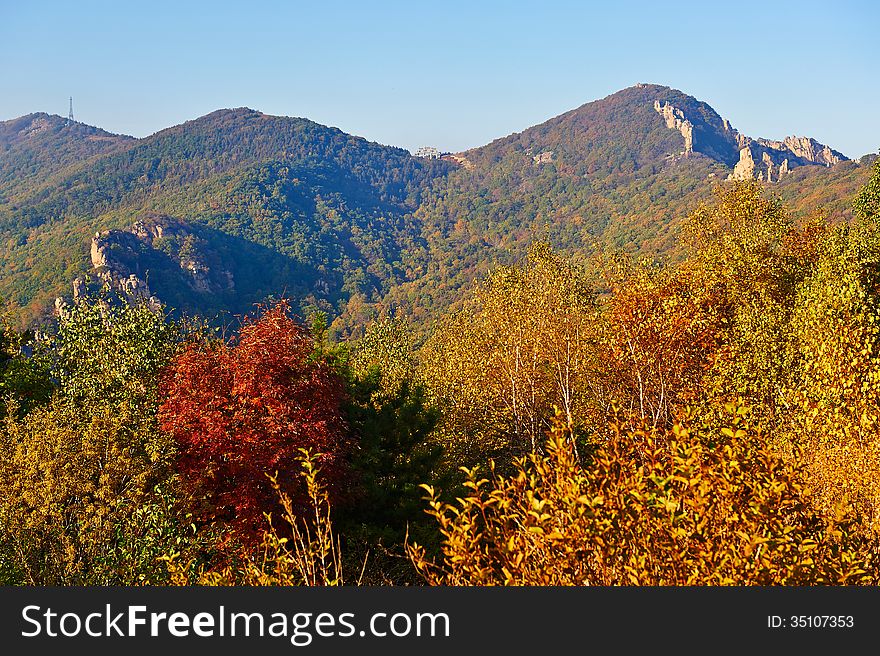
x: 448, y: 73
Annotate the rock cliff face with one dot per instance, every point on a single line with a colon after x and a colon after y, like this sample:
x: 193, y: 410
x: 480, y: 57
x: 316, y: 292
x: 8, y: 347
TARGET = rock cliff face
x: 757, y: 163
x: 745, y: 167
x: 675, y: 120
x: 764, y: 159
x: 755, y: 159
x: 812, y: 151
x: 114, y: 254
x: 122, y: 261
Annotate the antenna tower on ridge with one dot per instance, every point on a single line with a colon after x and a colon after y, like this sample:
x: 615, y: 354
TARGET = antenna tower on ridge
x: 70, y: 113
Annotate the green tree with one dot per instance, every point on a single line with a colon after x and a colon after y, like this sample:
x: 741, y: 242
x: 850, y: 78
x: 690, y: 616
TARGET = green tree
x: 112, y: 351
x: 866, y: 204
x: 737, y: 252
x: 88, y: 488
x: 389, y: 410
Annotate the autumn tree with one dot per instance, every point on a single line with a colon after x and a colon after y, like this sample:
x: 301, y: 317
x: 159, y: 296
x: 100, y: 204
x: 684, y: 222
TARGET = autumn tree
x: 737, y: 253
x: 524, y: 344
x: 73, y: 483
x: 833, y: 394
x: 239, y: 412
x: 387, y: 345
x: 296, y: 547
x: 86, y: 476
x: 658, y: 334
x: 866, y: 204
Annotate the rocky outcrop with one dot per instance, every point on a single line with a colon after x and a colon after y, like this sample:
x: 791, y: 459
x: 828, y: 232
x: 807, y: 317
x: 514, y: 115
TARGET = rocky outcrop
x: 122, y: 260
x: 707, y: 133
x: 757, y: 163
x: 745, y: 168
x: 543, y: 158
x: 190, y: 253
x: 114, y: 254
x: 675, y: 120
x: 461, y: 160
x: 777, y: 158
x: 39, y: 124
x: 783, y: 168
x: 812, y: 151
x: 805, y: 150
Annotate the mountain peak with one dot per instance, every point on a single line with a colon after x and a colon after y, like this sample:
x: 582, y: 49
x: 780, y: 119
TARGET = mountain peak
x: 703, y: 131
x: 35, y: 146
x: 41, y: 125
x: 230, y: 111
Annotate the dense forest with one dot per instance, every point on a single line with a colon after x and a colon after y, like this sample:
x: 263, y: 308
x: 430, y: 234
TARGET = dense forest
x: 255, y: 350
x: 586, y: 418
x: 317, y: 210
x: 267, y: 205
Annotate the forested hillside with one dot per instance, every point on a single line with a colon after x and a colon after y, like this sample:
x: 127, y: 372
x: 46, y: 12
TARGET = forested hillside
x: 328, y: 206
x: 599, y: 420
x: 608, y: 175
x: 627, y: 346
x: 254, y: 206
x: 36, y: 147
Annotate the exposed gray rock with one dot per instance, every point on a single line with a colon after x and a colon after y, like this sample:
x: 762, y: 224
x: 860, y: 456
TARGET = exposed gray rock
x: 79, y: 289
x: 745, y: 168
x: 120, y: 260
x: 783, y: 168
x: 675, y: 120
x: 812, y: 151
x: 756, y: 159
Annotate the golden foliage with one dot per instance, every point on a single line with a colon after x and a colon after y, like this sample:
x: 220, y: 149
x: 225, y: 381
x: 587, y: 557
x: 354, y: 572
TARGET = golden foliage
x: 304, y: 552
x: 834, y: 393
x: 658, y: 333
x: 684, y: 506
x: 498, y: 368
x: 738, y: 255
x: 711, y: 423
x: 69, y: 479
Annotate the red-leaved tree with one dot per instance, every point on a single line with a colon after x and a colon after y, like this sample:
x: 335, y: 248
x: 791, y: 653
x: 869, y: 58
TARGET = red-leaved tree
x: 240, y: 412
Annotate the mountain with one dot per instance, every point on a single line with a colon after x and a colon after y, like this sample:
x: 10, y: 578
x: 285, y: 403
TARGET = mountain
x: 322, y: 214
x: 704, y: 131
x: 35, y: 147
x: 217, y: 213
x: 619, y: 172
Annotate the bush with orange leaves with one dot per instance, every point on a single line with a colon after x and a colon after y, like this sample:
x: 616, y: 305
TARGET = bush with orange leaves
x: 659, y: 334
x: 684, y: 506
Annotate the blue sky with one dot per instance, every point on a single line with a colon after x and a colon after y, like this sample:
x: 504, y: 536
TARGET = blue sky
x: 450, y: 74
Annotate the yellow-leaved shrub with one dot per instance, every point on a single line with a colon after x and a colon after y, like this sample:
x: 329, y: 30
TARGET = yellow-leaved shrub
x: 71, y: 479
x: 298, y: 551
x: 687, y: 505
x: 834, y: 393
